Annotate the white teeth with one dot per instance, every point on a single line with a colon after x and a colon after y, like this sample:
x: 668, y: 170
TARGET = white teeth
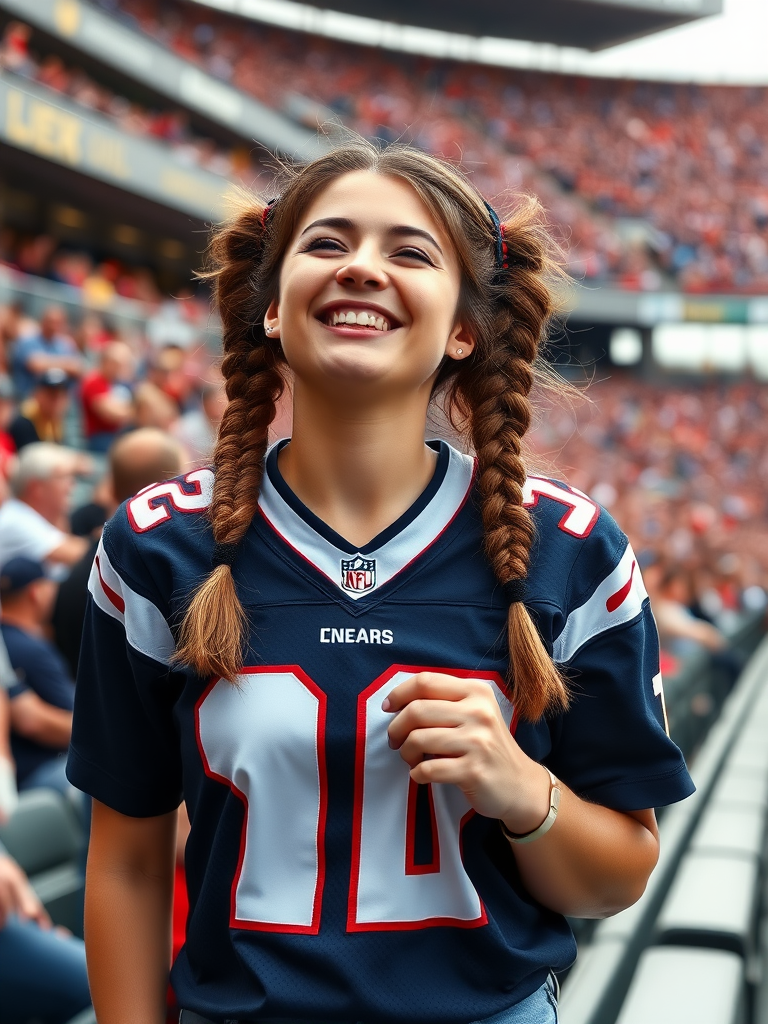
x: 362, y: 319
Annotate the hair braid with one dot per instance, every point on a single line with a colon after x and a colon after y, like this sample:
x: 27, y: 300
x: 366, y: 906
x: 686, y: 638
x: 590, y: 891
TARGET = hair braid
x: 211, y: 638
x: 494, y: 392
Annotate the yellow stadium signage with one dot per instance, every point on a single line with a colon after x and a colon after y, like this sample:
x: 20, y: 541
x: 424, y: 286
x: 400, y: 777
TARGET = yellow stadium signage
x: 41, y: 122
x: 43, y: 128
x: 66, y: 14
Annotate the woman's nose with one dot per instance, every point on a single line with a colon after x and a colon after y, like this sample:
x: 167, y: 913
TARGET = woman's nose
x: 364, y: 270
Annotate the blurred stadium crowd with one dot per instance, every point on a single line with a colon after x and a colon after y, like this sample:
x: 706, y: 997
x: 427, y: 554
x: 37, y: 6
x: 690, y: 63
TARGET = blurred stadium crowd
x: 20, y: 57
x: 682, y: 469
x: 652, y: 184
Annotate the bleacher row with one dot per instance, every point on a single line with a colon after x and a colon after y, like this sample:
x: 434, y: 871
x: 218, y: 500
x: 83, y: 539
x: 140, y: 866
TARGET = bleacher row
x: 692, y: 949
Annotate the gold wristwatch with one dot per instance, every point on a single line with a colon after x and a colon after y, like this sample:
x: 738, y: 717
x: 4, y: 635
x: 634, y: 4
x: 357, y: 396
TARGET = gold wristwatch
x: 546, y: 825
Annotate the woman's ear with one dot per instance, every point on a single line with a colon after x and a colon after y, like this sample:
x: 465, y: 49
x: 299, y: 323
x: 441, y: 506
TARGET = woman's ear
x: 272, y: 319
x: 461, y: 343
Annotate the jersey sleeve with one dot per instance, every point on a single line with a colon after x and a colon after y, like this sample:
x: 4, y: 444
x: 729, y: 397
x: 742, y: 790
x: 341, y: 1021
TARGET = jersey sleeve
x: 125, y: 748
x: 612, y: 745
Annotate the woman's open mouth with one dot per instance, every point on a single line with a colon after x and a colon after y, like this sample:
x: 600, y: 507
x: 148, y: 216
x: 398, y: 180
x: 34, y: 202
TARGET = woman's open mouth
x: 368, y: 317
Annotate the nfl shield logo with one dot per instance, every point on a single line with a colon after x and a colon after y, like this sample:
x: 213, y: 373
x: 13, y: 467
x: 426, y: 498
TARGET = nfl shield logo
x: 358, y: 574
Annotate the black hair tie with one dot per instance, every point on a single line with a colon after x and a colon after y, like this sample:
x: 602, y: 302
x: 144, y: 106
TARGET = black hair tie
x: 502, y: 260
x: 514, y: 590
x: 224, y: 554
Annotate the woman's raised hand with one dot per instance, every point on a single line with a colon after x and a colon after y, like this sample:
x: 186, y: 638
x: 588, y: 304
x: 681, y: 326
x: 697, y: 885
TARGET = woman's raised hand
x: 451, y: 730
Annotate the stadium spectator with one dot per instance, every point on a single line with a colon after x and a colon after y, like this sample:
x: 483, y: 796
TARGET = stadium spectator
x: 7, y: 443
x: 107, y: 397
x: 43, y: 696
x: 670, y: 590
x: 33, y: 522
x: 50, y: 348
x: 136, y: 460
x: 14, y: 49
x: 8, y: 789
x: 198, y: 429
x: 41, y: 416
x: 42, y: 970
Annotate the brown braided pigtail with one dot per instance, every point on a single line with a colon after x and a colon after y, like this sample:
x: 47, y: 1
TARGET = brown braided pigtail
x: 211, y: 637
x: 494, y: 389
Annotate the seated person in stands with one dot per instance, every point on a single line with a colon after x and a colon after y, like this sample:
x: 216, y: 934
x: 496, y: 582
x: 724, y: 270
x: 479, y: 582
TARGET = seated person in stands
x: 43, y: 695
x: 198, y: 429
x: 42, y: 969
x: 41, y: 416
x: 8, y: 793
x: 7, y: 444
x: 50, y: 348
x: 33, y: 522
x: 107, y: 396
x: 136, y: 460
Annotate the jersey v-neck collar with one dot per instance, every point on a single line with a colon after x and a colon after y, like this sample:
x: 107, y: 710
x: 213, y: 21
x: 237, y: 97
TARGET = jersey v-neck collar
x: 358, y: 572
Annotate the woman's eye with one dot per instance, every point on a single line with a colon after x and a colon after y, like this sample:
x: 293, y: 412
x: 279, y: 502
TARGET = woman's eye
x: 330, y: 244
x: 413, y: 254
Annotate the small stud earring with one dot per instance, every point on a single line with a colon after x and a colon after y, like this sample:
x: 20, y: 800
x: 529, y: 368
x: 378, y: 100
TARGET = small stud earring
x: 459, y: 351
x: 268, y: 329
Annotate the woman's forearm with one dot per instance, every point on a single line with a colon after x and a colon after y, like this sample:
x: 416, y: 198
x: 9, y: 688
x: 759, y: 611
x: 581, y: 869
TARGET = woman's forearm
x: 593, y: 862
x: 129, y: 889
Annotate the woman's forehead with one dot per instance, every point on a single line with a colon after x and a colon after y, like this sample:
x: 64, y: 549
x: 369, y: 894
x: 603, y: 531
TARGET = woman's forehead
x: 370, y: 199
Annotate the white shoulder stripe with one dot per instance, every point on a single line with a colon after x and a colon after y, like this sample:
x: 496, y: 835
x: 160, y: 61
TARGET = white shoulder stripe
x: 145, y: 627
x: 618, y: 599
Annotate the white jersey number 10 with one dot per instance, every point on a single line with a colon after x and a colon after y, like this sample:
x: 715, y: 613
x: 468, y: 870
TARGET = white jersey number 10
x: 265, y: 739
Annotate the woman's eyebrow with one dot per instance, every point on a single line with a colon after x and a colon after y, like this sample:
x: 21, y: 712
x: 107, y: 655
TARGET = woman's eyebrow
x: 403, y: 230
x: 345, y: 224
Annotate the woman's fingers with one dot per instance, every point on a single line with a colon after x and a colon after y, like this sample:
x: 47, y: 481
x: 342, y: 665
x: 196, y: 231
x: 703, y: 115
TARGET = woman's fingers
x: 421, y: 714
x: 428, y: 686
x: 421, y: 743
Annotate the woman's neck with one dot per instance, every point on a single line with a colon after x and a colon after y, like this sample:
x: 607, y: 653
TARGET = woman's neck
x: 357, y: 468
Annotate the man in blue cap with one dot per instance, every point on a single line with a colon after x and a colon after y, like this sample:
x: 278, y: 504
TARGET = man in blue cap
x: 42, y: 698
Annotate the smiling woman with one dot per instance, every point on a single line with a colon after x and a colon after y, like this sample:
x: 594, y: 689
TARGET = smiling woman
x: 394, y: 794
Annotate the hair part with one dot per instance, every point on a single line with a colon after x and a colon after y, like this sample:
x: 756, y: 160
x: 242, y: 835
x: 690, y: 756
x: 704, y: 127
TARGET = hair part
x: 485, y: 395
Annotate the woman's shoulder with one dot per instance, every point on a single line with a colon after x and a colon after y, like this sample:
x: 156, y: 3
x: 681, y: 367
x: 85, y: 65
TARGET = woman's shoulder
x: 162, y: 535
x: 582, y: 565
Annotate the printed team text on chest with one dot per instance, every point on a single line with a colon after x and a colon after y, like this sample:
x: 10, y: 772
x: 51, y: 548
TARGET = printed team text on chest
x: 350, y: 635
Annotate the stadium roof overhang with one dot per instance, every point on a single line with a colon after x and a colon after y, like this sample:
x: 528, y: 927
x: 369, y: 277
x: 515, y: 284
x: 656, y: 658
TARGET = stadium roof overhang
x: 589, y: 24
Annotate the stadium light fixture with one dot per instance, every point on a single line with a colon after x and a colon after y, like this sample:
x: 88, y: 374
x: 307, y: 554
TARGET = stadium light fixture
x: 625, y: 347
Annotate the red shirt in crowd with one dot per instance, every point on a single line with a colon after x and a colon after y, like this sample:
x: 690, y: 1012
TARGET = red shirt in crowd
x: 93, y: 385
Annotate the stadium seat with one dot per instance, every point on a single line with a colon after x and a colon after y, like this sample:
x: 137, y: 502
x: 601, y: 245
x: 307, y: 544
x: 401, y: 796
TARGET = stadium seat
x: 735, y: 829
x: 711, y: 903
x: 45, y: 839
x: 740, y: 786
x: 682, y: 986
x: 597, y: 971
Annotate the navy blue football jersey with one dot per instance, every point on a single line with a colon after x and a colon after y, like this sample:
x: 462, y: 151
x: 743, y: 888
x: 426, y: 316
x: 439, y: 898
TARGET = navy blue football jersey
x: 325, y: 885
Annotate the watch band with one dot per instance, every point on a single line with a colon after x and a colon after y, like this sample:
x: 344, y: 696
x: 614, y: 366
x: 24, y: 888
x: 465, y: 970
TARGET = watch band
x: 546, y: 825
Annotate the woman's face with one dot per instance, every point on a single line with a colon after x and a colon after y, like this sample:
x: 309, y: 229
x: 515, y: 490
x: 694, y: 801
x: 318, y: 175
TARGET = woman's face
x: 369, y: 289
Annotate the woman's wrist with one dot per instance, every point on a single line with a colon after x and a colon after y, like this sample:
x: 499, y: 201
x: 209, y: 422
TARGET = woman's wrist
x: 532, y: 806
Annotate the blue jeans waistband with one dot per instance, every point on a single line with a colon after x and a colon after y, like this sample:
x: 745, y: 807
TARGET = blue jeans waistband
x: 540, y: 1007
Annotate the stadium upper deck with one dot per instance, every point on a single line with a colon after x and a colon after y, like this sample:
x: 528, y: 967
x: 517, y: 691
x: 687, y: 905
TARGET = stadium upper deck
x: 655, y: 185
x: 592, y: 24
